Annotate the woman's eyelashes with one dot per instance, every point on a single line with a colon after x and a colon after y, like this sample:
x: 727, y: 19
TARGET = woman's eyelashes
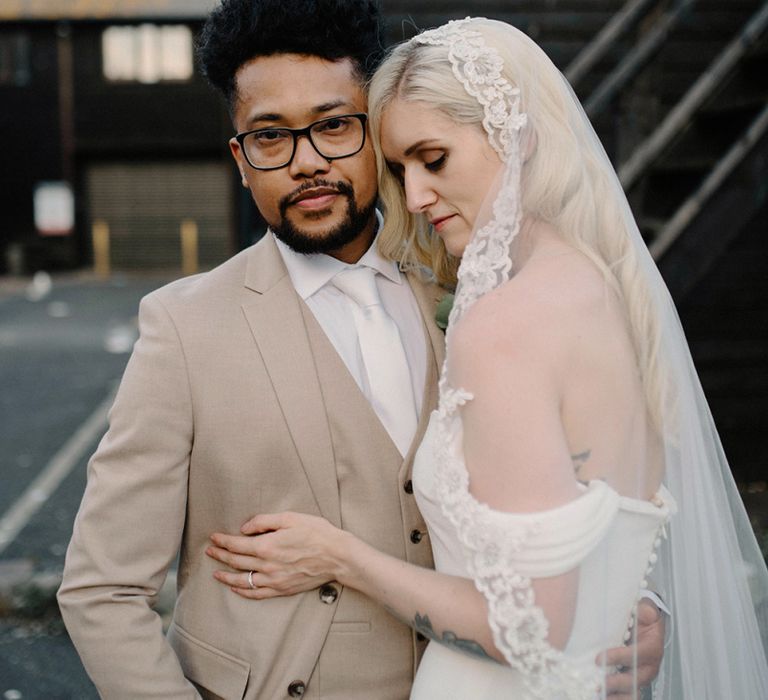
x: 434, y: 165
x: 437, y: 164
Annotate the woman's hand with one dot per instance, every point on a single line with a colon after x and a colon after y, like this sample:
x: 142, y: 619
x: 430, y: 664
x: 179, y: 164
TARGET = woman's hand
x: 278, y: 555
x: 292, y: 553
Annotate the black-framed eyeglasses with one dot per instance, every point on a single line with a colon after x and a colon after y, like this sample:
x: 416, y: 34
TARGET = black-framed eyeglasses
x: 273, y: 147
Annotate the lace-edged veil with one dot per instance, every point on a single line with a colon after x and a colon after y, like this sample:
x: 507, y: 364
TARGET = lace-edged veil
x: 710, y: 571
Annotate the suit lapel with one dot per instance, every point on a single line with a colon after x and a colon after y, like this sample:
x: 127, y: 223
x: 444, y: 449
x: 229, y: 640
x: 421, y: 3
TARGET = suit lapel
x: 277, y: 319
x: 275, y: 316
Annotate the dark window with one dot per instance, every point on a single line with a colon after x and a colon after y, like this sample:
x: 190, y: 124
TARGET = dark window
x: 14, y: 59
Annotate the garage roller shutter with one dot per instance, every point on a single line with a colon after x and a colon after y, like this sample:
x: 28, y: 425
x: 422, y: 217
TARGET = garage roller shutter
x: 144, y: 204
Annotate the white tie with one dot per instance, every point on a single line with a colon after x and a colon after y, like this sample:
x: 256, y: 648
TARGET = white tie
x: 385, y: 362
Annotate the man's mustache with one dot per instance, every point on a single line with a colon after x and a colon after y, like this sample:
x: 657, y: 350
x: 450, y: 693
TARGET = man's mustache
x: 340, y: 187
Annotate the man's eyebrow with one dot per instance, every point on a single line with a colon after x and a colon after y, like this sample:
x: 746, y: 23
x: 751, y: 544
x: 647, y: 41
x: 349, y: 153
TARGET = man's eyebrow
x: 319, y: 109
x: 265, y: 117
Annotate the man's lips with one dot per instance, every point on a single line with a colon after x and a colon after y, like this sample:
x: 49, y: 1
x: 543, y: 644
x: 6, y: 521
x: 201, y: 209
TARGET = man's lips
x: 315, y: 198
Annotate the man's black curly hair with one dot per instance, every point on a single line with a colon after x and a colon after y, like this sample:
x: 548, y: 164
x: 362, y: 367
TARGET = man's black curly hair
x: 239, y: 30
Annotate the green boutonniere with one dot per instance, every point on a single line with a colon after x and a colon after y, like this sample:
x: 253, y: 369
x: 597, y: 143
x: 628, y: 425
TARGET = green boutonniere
x: 443, y: 311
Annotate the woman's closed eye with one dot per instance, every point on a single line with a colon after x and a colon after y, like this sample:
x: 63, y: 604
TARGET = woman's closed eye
x: 437, y: 164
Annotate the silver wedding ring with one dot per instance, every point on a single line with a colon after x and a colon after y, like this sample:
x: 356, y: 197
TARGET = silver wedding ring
x: 250, y: 579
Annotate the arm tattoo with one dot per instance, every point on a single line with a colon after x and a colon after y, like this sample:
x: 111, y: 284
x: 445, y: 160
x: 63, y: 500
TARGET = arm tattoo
x: 422, y: 624
x: 580, y: 460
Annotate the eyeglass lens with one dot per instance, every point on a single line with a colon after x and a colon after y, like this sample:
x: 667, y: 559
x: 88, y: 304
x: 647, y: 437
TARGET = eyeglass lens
x: 334, y: 137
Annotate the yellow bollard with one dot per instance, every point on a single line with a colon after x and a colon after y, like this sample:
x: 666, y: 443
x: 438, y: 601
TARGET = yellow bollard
x: 189, y: 260
x: 100, y: 234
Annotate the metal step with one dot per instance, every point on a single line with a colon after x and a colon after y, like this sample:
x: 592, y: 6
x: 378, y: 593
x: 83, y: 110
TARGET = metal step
x: 731, y: 195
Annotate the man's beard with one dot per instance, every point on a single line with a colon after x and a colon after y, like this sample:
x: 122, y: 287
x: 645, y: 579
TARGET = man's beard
x: 347, y: 230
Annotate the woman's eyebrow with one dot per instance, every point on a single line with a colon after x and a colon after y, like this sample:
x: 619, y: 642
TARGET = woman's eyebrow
x: 416, y: 145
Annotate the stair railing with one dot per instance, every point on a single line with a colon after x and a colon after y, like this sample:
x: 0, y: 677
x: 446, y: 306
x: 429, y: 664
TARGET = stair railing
x: 626, y: 18
x: 696, y: 202
x: 678, y: 118
x: 637, y: 58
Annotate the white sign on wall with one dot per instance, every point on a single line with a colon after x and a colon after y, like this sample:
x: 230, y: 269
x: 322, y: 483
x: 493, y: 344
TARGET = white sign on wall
x: 54, y: 206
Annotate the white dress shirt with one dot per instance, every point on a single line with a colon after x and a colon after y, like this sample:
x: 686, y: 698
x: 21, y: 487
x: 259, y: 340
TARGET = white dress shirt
x: 311, y: 276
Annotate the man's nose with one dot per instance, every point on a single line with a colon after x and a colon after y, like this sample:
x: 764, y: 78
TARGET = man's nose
x: 307, y: 162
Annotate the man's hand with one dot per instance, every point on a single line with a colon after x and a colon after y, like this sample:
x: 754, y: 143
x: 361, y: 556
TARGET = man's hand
x: 626, y: 684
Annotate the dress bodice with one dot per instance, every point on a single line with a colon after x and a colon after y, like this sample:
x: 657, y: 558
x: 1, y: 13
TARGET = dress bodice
x: 609, y: 538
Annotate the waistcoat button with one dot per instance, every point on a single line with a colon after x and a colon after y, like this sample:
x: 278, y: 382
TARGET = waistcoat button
x: 408, y: 486
x: 328, y: 593
x: 296, y: 689
x: 416, y: 536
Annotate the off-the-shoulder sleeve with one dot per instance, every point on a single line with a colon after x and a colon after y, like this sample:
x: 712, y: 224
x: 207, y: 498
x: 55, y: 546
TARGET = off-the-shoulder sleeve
x: 544, y: 543
x: 505, y: 551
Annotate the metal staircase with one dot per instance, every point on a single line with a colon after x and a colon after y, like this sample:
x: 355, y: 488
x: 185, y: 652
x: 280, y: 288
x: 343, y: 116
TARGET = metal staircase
x: 684, y: 113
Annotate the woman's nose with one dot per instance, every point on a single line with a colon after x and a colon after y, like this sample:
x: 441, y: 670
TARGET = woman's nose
x: 418, y: 196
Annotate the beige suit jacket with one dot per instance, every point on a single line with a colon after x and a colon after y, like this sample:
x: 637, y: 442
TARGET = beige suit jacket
x: 234, y: 402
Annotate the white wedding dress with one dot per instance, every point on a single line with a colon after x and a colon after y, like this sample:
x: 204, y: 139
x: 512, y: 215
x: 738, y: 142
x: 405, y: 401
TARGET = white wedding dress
x: 610, y: 538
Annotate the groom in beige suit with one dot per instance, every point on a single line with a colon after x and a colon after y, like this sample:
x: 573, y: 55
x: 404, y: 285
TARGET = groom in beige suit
x: 246, y: 393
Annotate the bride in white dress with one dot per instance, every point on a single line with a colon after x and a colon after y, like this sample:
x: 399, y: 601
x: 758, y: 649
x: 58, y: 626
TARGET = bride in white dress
x: 572, y: 447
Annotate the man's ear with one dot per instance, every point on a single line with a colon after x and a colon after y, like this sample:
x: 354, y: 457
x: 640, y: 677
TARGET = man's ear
x: 237, y: 154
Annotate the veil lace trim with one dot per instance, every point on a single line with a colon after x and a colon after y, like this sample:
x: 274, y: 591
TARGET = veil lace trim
x: 478, y: 67
x: 486, y: 262
x: 519, y: 626
x: 491, y: 544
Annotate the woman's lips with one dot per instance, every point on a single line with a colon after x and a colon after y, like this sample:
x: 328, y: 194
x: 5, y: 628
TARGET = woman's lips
x: 440, y: 221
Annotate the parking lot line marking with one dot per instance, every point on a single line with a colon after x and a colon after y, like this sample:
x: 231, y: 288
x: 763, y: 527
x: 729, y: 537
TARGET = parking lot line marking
x: 57, y: 469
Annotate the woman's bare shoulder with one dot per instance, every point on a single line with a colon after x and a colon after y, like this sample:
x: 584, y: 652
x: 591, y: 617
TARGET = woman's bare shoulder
x: 540, y: 307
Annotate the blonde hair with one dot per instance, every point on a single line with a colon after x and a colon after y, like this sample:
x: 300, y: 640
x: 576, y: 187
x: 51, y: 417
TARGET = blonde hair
x: 565, y: 179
